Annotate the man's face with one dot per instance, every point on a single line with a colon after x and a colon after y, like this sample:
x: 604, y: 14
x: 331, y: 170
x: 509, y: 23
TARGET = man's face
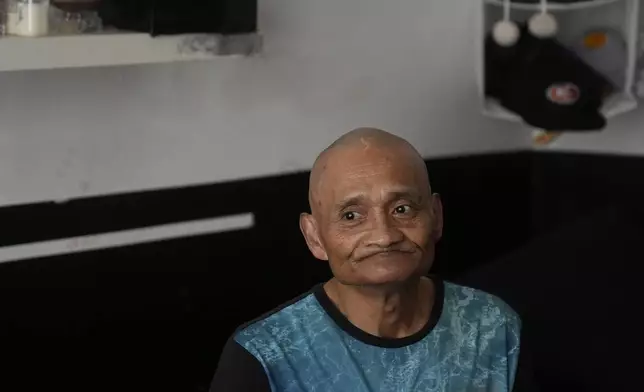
x: 375, y: 218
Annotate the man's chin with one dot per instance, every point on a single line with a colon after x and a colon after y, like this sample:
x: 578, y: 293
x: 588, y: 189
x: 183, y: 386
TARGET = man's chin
x: 382, y: 278
x: 389, y: 274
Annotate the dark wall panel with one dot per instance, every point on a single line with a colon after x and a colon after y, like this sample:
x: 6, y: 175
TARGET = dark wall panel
x: 155, y: 316
x: 567, y: 186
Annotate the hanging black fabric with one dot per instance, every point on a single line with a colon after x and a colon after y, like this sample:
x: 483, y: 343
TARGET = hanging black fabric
x: 547, y: 85
x: 166, y: 17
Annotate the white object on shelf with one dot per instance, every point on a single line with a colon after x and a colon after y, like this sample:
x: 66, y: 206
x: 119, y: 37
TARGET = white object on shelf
x: 106, y: 49
x: 555, y: 6
x: 28, y: 18
x: 620, y: 14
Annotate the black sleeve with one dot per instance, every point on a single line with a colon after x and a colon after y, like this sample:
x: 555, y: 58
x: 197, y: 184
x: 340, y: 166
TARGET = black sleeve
x: 239, y: 371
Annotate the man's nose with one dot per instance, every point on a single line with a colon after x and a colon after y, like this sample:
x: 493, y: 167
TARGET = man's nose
x: 384, y: 233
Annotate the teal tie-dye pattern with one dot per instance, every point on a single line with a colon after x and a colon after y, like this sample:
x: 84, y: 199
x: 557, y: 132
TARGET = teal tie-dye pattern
x: 473, y: 347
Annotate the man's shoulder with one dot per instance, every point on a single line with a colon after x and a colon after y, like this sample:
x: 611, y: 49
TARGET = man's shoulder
x: 281, y: 323
x: 473, y: 303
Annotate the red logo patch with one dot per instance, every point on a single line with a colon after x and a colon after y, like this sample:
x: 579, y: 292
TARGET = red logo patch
x: 563, y: 93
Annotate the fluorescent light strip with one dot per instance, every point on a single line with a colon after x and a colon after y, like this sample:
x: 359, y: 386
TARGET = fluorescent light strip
x: 126, y: 237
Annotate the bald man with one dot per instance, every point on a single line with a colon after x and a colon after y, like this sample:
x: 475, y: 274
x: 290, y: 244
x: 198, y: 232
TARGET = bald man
x: 382, y: 323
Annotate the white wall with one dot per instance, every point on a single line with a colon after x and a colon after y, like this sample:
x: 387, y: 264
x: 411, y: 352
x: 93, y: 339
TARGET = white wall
x: 329, y: 66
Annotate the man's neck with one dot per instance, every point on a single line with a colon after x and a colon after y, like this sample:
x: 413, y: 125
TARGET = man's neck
x: 386, y: 311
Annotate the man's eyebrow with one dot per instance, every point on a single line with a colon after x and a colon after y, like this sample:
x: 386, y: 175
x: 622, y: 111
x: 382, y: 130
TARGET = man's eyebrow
x: 408, y: 194
x: 350, y: 201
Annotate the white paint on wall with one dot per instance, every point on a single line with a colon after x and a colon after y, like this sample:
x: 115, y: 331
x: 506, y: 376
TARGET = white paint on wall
x: 126, y: 238
x: 329, y: 66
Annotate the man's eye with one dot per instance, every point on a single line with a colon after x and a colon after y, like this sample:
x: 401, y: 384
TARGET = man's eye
x: 402, y: 209
x: 350, y: 215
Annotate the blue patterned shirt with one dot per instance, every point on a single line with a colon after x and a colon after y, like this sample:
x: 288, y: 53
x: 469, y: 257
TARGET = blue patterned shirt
x: 471, y: 343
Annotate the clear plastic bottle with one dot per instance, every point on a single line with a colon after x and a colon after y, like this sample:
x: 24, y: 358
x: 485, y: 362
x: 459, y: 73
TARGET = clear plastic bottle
x: 28, y: 18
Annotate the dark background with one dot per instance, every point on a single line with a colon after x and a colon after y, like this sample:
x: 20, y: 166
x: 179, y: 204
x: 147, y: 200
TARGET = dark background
x: 155, y: 316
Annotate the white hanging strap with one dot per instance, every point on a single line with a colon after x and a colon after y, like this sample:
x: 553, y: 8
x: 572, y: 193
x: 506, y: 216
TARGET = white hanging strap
x: 507, y: 4
x: 544, y: 6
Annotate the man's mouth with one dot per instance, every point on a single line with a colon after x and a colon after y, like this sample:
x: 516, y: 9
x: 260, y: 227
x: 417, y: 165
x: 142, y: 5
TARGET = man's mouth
x: 385, y: 253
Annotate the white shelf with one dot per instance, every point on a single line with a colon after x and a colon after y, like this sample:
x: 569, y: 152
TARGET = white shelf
x: 614, y: 105
x: 492, y: 108
x: 554, y: 6
x: 618, y: 104
x: 107, y: 49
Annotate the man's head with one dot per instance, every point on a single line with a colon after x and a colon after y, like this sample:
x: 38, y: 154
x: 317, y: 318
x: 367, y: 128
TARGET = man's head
x: 373, y: 215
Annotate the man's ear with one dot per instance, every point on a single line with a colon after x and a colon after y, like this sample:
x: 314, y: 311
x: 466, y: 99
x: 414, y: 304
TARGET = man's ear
x: 437, y: 214
x: 309, y: 229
